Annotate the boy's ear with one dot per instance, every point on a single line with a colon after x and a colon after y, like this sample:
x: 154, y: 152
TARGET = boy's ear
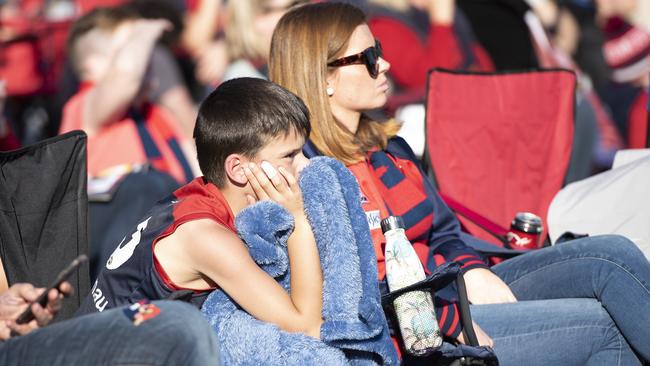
x: 234, y: 166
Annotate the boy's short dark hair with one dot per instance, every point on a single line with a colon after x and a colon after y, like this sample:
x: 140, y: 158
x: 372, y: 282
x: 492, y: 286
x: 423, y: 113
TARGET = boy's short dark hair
x: 240, y: 117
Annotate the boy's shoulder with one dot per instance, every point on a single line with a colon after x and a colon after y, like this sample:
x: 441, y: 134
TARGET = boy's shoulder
x: 201, y: 200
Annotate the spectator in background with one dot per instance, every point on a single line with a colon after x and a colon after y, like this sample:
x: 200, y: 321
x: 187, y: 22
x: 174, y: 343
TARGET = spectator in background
x: 417, y: 35
x: 110, y: 49
x: 248, y: 35
x: 202, y: 40
x: 627, y: 53
x: 168, y: 89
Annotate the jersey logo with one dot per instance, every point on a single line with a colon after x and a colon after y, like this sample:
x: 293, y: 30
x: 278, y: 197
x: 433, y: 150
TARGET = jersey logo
x: 123, y: 252
x: 374, y: 220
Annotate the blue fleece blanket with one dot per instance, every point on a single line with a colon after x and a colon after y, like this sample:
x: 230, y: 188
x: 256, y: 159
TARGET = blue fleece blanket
x: 354, y: 329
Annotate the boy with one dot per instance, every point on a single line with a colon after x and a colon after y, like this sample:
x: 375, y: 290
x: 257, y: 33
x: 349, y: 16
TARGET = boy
x: 188, y: 242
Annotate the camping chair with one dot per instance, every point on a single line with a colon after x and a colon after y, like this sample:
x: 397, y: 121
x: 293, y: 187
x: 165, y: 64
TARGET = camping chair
x: 43, y: 207
x: 499, y: 143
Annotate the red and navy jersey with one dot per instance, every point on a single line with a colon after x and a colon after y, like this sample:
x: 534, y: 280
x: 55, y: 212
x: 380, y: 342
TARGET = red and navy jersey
x: 132, y: 273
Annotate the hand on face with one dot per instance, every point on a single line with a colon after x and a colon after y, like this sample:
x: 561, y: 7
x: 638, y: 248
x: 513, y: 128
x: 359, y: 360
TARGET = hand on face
x: 277, y: 185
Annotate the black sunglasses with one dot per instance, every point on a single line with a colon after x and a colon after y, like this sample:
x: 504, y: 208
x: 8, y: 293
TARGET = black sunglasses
x: 369, y: 57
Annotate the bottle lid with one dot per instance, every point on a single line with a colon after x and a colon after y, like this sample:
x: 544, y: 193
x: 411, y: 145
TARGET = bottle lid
x: 391, y: 223
x: 527, y: 222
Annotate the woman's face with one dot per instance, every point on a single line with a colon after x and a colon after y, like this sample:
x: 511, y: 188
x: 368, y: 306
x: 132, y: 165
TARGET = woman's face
x: 354, y: 89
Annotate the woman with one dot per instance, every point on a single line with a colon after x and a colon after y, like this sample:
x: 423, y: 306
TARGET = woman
x: 571, y: 308
x: 248, y: 35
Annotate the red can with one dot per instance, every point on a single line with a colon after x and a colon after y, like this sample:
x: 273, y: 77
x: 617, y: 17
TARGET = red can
x: 525, y: 231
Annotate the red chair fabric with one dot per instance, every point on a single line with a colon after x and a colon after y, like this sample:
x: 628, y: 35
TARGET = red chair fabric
x: 31, y: 63
x: 500, y: 143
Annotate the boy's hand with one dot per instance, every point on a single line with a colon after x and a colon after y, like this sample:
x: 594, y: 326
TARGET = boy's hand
x: 281, y: 187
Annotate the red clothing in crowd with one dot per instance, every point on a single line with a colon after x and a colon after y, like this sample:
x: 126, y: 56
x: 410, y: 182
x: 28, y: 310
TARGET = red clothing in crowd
x: 85, y: 6
x: 121, y: 142
x: 410, y: 58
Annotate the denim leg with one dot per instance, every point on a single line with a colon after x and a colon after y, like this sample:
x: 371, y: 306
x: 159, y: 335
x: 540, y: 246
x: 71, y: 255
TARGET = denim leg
x: 609, y: 268
x: 179, y: 335
x: 554, y: 332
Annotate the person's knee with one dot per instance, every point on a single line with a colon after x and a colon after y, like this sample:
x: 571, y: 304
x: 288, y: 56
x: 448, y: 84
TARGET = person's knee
x: 617, y: 246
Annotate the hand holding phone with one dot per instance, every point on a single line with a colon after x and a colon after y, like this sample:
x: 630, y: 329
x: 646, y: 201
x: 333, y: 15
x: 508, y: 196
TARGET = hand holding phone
x: 27, y: 315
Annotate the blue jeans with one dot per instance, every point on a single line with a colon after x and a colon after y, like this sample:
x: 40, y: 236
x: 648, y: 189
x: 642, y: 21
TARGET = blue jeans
x: 179, y: 335
x: 584, y: 302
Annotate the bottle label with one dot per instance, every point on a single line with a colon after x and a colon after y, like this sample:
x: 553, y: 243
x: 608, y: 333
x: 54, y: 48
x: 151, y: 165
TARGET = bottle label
x: 374, y: 219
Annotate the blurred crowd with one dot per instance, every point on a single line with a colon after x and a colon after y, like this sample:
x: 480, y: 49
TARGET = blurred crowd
x: 206, y: 42
x: 153, y: 62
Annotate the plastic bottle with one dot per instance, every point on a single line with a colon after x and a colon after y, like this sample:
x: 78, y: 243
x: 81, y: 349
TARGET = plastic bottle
x: 415, y: 312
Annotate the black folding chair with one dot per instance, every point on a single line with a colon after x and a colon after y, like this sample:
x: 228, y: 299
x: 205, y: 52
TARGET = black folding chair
x: 43, y: 209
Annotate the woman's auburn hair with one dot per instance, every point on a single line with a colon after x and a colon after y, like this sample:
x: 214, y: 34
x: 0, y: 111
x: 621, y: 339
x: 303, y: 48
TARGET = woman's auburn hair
x: 305, y: 40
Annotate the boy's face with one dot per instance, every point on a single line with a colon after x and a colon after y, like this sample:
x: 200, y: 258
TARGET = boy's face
x: 284, y: 151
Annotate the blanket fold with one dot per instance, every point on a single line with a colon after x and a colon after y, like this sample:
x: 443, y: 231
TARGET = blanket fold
x: 354, y: 330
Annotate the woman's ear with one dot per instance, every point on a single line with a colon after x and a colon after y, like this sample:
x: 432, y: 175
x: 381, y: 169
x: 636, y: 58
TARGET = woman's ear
x: 234, y: 167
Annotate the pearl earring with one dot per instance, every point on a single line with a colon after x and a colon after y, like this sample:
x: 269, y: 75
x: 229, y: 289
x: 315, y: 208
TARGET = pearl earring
x: 330, y: 91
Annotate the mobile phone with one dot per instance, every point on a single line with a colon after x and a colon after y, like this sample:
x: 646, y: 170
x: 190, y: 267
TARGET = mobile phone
x: 27, y: 315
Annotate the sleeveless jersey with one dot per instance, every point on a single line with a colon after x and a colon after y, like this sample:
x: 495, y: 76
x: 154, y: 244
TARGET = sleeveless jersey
x: 132, y: 273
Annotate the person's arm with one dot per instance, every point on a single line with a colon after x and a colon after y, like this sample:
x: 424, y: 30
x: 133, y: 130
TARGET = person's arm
x: 109, y: 100
x: 304, y: 261
x: 16, y: 299
x: 220, y: 255
x: 411, y: 58
x: 216, y: 253
x: 200, y: 25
